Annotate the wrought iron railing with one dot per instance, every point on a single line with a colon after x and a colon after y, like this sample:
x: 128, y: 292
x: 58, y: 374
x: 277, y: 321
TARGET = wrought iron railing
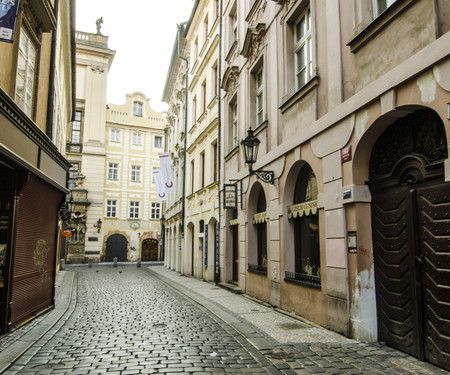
x: 303, y: 279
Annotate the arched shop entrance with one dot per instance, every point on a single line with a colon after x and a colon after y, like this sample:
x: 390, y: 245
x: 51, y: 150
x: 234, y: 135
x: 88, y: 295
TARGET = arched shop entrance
x: 411, y: 236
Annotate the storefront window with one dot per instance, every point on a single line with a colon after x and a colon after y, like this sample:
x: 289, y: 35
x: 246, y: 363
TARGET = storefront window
x: 4, y: 223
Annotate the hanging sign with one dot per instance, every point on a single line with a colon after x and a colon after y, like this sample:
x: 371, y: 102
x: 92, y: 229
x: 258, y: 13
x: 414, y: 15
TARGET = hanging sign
x: 8, y: 18
x: 230, y: 196
x: 217, y: 247
x: 166, y: 171
x: 66, y: 233
x: 157, y: 178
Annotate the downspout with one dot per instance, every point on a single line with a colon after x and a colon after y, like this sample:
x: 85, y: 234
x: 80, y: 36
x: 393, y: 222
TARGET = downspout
x: 51, y: 81
x: 185, y: 129
x: 219, y: 130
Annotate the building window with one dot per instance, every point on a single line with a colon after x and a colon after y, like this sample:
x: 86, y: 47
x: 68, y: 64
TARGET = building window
x: 202, y: 170
x: 113, y: 171
x: 215, y: 160
x: 216, y: 8
x: 136, y: 173
x: 259, y: 81
x: 156, y: 211
x: 26, y: 73
x: 380, y: 6
x: 153, y: 176
x: 194, y: 109
x: 205, y: 28
x: 192, y: 176
x: 76, y: 128
x: 305, y: 220
x: 259, y: 220
x: 234, y: 25
x: 203, y: 97
x: 234, y: 124
x: 137, y: 138
x: 134, y: 209
x: 111, y: 208
x: 114, y: 135
x: 158, y: 141
x: 214, y: 83
x: 137, y: 109
x: 303, y: 49
x: 196, y: 49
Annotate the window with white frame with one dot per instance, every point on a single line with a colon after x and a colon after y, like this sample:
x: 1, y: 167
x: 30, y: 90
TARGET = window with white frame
x: 114, y: 135
x: 158, y: 141
x: 26, y: 73
x: 136, y: 173
x: 137, y: 138
x: 134, y: 212
x: 137, y: 109
x: 113, y: 171
x: 76, y: 128
x: 234, y: 20
x: 259, y: 81
x: 379, y: 6
x: 111, y: 208
x: 153, y: 176
x: 156, y: 211
x: 303, y: 49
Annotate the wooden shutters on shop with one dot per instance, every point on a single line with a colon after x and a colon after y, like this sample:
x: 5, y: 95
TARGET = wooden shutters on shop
x: 35, y: 251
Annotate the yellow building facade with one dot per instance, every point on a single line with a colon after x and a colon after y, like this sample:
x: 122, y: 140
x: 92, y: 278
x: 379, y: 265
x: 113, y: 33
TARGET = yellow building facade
x: 131, y: 211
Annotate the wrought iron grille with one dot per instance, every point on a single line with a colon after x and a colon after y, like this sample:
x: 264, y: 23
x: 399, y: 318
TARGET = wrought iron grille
x: 303, y: 279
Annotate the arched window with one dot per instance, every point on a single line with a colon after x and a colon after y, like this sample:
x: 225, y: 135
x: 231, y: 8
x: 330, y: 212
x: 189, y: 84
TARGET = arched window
x: 305, y: 219
x: 260, y: 222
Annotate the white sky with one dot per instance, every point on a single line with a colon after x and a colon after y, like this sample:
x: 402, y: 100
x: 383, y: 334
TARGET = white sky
x: 142, y: 33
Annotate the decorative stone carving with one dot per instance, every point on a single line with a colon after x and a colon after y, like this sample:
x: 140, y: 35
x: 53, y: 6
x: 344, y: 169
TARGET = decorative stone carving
x: 230, y: 81
x: 254, y: 41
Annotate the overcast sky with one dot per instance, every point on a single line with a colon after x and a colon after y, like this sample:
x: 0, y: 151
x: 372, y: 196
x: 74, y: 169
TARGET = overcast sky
x: 142, y: 33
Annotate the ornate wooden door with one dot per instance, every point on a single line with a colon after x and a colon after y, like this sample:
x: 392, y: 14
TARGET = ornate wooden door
x: 150, y: 250
x: 411, y: 242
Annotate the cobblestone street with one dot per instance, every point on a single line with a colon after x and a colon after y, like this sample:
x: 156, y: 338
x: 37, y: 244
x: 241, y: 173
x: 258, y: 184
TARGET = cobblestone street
x: 130, y: 320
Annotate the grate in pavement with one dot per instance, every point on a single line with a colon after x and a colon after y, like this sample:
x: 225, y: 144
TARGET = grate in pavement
x: 292, y: 326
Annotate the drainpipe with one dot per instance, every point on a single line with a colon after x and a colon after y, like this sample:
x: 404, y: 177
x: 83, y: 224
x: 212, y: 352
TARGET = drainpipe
x: 219, y: 130
x: 51, y: 83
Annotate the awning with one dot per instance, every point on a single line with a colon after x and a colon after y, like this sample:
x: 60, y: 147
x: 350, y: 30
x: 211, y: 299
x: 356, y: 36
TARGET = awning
x: 259, y: 218
x: 302, y: 209
x: 233, y: 222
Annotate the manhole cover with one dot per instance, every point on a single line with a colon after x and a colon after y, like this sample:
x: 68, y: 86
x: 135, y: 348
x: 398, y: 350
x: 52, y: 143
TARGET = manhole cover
x: 292, y: 326
x: 280, y: 355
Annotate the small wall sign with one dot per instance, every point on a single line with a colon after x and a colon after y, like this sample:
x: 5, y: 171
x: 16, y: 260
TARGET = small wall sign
x: 346, y: 154
x: 230, y: 196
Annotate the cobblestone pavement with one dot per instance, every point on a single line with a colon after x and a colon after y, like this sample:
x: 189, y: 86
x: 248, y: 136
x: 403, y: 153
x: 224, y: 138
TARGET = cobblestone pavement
x: 130, y: 320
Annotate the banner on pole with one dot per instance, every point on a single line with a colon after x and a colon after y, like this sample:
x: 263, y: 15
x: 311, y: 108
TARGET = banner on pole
x: 166, y: 171
x: 8, y: 18
x: 157, y: 178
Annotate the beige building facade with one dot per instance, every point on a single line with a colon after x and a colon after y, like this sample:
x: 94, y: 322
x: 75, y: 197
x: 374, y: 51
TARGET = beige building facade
x: 86, y: 140
x: 36, y: 104
x: 349, y: 101
x: 131, y: 209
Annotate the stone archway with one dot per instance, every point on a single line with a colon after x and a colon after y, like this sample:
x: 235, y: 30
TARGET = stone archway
x: 116, y: 247
x: 410, y: 205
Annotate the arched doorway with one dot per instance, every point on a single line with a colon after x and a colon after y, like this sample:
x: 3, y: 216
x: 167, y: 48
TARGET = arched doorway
x: 116, y: 247
x: 149, y: 249
x: 411, y: 236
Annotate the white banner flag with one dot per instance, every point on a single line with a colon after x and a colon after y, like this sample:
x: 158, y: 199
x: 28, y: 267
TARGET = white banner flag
x: 166, y: 171
x: 157, y: 178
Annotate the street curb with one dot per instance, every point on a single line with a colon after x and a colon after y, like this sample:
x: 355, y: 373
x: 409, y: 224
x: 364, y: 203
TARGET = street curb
x: 22, y: 344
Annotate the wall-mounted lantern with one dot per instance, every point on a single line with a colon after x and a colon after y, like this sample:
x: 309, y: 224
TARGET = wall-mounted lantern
x: 250, y: 146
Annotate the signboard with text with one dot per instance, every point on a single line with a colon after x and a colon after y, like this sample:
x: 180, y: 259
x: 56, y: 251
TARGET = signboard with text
x: 8, y: 18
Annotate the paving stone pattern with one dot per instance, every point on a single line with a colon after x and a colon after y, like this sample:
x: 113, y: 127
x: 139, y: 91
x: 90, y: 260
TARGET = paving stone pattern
x: 130, y: 320
x: 127, y: 322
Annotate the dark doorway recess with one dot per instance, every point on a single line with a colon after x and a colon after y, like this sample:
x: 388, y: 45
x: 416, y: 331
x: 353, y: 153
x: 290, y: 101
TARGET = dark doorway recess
x: 116, y: 247
x: 411, y: 237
